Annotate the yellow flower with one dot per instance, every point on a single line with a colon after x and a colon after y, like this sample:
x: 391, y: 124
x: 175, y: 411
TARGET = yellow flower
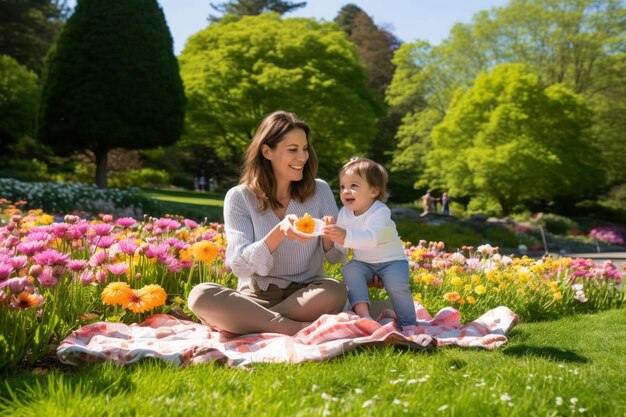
x: 471, y: 299
x: 456, y: 281
x: 305, y: 224
x: 204, y: 251
x: 480, y: 289
x: 115, y: 293
x: 558, y: 295
x: 452, y: 296
x: 476, y: 279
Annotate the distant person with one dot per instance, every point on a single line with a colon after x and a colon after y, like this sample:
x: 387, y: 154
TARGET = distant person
x: 202, y: 183
x: 212, y: 184
x: 364, y: 225
x: 445, y: 204
x: 196, y: 187
x: 428, y: 204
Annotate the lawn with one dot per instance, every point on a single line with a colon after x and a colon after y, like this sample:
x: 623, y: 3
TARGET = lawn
x: 190, y: 204
x: 571, y: 366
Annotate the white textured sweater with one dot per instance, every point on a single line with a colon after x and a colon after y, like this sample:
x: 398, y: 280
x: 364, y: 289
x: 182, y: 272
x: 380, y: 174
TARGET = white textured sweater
x: 249, y: 257
x: 372, y: 236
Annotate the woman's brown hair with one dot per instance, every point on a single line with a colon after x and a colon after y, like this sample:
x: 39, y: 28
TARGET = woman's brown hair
x: 257, y: 172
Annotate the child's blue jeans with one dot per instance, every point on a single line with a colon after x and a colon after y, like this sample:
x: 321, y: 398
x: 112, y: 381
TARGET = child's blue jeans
x: 395, y: 277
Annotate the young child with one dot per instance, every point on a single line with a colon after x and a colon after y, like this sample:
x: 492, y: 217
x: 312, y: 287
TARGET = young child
x: 364, y: 225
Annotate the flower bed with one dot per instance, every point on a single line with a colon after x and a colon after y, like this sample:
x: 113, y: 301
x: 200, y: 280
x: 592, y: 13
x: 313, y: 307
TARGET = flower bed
x: 58, y: 276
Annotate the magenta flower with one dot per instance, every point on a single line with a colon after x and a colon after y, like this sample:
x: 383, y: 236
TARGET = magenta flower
x: 97, y: 258
x: 76, y: 264
x: 128, y: 246
x: 51, y: 257
x: 18, y: 261
x: 157, y: 251
x: 17, y: 285
x: 117, y: 269
x: 59, y: 229
x: 11, y: 241
x: 105, y: 242
x: 86, y: 277
x: 101, y: 276
x: 47, y: 278
x: 190, y: 224
x: 28, y: 248
x: 126, y: 221
x: 5, y: 271
x: 102, y: 229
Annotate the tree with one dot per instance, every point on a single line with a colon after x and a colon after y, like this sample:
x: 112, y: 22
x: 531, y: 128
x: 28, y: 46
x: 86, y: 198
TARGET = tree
x: 254, y: 7
x: 579, y: 44
x: 235, y: 72
x: 112, y: 84
x: 510, y: 139
x: 28, y: 28
x: 19, y: 97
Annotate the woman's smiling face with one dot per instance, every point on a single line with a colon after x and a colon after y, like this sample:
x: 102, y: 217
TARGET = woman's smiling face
x: 355, y: 193
x: 289, y: 156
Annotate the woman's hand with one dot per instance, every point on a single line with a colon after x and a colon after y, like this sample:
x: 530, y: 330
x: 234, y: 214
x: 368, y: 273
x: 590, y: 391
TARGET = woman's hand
x: 288, y: 228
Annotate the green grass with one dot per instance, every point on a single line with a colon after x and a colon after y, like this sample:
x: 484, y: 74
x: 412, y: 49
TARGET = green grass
x: 190, y: 204
x: 579, y: 359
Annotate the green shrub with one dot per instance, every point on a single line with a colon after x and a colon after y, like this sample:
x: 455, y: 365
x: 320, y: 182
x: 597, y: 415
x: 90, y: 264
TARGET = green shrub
x: 555, y: 224
x: 453, y: 235
x: 145, y: 177
x: 501, y: 236
x: 24, y: 169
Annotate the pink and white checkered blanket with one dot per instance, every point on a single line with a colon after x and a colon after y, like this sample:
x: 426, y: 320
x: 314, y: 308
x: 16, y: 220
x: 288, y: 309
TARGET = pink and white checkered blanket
x: 185, y: 342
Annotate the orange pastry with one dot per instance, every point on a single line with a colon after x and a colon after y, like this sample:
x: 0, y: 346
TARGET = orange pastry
x: 305, y: 224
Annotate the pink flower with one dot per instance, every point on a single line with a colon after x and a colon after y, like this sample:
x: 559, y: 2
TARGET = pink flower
x: 128, y: 246
x: 47, y: 278
x: 102, y: 229
x: 17, y: 285
x: 101, y: 276
x: 105, y: 242
x: 157, y: 251
x: 59, y: 229
x: 76, y: 264
x: 126, y: 221
x: 190, y: 224
x: 5, y: 271
x: 86, y: 277
x: 117, y: 269
x: 51, y: 257
x: 97, y: 258
x: 11, y: 241
x: 18, y: 261
x: 107, y: 218
x: 28, y: 248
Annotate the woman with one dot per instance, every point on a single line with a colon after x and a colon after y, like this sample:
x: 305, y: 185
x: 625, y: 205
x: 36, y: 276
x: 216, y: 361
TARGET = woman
x: 282, y: 286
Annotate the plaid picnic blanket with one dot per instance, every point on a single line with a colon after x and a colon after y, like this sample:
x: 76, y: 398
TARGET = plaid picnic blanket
x: 186, y: 342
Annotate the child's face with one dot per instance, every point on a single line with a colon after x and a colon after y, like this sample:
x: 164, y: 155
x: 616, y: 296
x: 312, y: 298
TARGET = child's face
x: 356, y: 194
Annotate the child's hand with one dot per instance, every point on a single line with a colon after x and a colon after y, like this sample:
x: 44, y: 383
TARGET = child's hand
x: 335, y: 233
x: 328, y: 220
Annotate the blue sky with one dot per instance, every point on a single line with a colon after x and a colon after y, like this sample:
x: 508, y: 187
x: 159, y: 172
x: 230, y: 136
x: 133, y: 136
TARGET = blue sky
x: 409, y: 20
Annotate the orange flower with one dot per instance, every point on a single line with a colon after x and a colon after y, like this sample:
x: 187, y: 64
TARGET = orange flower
x: 138, y: 301
x: 115, y: 293
x: 305, y: 224
x: 452, y: 296
x: 26, y: 300
x: 157, y: 293
x: 204, y: 251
